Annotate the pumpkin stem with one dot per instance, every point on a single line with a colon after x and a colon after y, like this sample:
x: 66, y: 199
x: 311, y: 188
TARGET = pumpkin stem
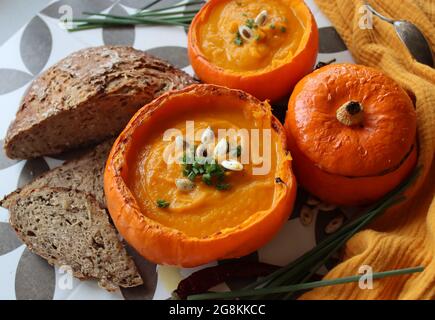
x: 350, y: 113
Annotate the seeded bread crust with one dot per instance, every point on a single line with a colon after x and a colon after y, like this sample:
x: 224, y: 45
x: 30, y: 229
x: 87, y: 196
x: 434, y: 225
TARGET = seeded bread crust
x: 69, y: 228
x: 83, y: 174
x: 86, y: 98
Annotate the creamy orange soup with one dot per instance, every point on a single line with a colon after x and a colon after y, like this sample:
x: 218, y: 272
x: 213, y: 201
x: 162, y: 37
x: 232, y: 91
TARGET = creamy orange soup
x: 271, y: 43
x: 205, y: 210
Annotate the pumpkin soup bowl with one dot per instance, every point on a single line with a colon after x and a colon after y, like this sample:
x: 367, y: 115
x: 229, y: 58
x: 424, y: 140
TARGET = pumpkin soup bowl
x: 352, y: 134
x: 263, y: 47
x: 190, y: 213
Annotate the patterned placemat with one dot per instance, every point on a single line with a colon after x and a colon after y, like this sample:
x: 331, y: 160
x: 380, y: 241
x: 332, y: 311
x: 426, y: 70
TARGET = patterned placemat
x: 40, y: 44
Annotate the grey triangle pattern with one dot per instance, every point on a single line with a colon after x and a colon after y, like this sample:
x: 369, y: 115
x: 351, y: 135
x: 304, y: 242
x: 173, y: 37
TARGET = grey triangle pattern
x: 5, y: 162
x: 330, y: 41
x: 36, y: 45
x: 136, y: 4
x: 78, y: 6
x: 35, y: 279
x: 123, y: 35
x: 148, y: 272
x: 8, y: 239
x: 32, y: 169
x: 158, y: 4
x: 11, y: 79
x: 177, y: 56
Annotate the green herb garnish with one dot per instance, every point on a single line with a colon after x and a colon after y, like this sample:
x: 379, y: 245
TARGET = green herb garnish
x: 191, y: 176
x: 206, y: 178
x: 238, y: 40
x: 210, y: 172
x: 222, y: 186
x: 272, y: 26
x: 162, y: 203
x: 283, y: 29
x: 250, y: 23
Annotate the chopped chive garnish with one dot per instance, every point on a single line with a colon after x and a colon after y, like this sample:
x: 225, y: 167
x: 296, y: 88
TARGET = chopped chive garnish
x: 238, y: 40
x: 191, y: 176
x: 162, y: 203
x: 250, y: 23
x: 210, y: 172
x: 206, y: 178
x: 222, y: 186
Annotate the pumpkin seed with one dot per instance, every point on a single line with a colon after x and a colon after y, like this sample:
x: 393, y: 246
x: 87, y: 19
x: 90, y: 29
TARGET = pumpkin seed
x: 207, y: 136
x: 221, y: 148
x: 201, y: 151
x: 261, y: 18
x: 245, y: 33
x: 184, y: 185
x: 334, y: 224
x: 180, y: 143
x: 326, y: 206
x: 307, y: 215
x: 232, y: 165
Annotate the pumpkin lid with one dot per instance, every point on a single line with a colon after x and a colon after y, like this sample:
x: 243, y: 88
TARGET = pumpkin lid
x: 352, y: 120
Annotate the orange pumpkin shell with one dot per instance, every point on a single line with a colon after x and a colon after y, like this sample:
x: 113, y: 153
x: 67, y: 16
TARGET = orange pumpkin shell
x: 162, y: 244
x: 271, y: 84
x: 351, y: 164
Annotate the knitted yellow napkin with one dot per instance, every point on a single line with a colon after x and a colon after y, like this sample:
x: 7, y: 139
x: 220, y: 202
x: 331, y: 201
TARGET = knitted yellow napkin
x: 405, y: 235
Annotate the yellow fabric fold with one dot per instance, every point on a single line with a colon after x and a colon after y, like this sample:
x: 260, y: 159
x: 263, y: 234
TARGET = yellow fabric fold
x: 405, y: 235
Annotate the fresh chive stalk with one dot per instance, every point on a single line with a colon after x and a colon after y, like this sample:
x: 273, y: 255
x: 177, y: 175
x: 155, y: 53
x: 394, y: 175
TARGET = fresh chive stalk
x: 162, y: 16
x: 295, y: 273
x: 301, y: 286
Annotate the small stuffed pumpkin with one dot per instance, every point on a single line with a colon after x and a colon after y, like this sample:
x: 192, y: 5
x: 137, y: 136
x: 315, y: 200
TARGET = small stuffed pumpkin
x: 263, y: 47
x: 352, y: 134
x: 203, y: 224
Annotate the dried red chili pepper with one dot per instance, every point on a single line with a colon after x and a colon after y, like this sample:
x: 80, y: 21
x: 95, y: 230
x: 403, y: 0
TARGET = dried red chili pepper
x: 202, y: 280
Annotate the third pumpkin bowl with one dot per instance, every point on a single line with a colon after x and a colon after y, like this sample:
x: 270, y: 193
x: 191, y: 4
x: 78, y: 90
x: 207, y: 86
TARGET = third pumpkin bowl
x: 352, y: 134
x: 263, y: 47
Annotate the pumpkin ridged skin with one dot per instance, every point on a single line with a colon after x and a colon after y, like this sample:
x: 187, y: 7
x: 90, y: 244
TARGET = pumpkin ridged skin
x: 357, y: 164
x: 165, y: 245
x: 272, y: 84
x: 347, y: 191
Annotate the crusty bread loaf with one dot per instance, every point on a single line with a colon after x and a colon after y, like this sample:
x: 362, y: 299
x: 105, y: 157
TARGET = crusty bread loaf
x: 83, y: 174
x: 69, y: 228
x: 86, y: 98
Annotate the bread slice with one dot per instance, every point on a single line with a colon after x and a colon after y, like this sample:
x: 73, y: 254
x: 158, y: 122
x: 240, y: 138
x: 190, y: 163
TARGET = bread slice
x: 68, y: 228
x: 83, y: 174
x: 86, y: 98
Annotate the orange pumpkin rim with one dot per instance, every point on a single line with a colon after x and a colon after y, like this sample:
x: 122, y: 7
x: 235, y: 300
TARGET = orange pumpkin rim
x: 195, y: 50
x: 134, y: 224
